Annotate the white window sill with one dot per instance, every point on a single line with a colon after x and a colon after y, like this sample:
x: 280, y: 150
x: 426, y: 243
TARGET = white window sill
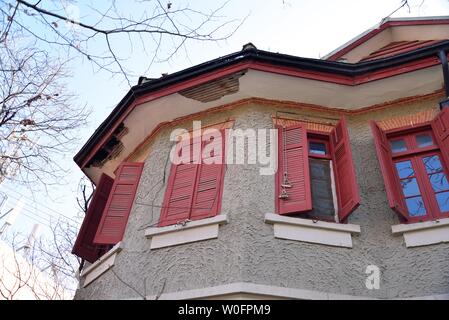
x: 102, y: 265
x: 190, y: 232
x: 423, y: 233
x: 312, y: 231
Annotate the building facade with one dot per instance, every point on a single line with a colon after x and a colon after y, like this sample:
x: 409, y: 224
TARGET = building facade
x: 315, y: 179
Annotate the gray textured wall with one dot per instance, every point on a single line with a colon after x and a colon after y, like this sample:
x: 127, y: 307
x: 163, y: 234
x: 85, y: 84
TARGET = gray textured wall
x: 246, y: 250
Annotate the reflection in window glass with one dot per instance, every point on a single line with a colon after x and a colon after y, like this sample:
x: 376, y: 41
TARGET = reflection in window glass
x: 404, y: 169
x: 410, y: 187
x: 439, y: 182
x: 317, y: 148
x: 443, y: 201
x: 398, y: 146
x: 432, y: 164
x: 415, y: 207
x: 424, y: 140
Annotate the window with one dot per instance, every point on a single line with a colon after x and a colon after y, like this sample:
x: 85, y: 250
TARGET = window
x: 314, y: 169
x: 194, y: 189
x: 323, y: 207
x: 107, y: 215
x: 413, y: 162
x: 422, y: 178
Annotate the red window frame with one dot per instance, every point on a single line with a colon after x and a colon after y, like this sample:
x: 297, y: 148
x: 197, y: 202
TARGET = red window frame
x: 414, y: 153
x: 321, y: 137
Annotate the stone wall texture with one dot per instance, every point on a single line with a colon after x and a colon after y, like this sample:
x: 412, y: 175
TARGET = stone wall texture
x: 246, y: 250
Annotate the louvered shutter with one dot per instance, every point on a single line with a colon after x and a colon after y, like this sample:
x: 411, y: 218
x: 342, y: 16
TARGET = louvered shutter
x: 207, y: 195
x: 293, y: 159
x: 84, y: 245
x: 179, y: 194
x: 392, y: 186
x: 344, y: 173
x: 440, y: 127
x: 116, y: 213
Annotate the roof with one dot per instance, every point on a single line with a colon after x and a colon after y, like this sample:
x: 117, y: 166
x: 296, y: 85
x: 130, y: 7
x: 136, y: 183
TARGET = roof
x: 251, y: 54
x: 384, y: 24
x: 398, y: 47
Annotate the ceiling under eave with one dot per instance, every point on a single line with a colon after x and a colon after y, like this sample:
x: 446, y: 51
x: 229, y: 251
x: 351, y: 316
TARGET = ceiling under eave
x: 255, y: 83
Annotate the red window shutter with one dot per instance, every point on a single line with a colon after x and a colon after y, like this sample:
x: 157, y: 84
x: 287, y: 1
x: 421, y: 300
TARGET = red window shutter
x: 440, y: 127
x: 116, y: 213
x: 179, y: 194
x: 193, y: 190
x: 344, y: 172
x: 84, y: 245
x: 207, y: 195
x: 293, y: 159
x: 392, y: 186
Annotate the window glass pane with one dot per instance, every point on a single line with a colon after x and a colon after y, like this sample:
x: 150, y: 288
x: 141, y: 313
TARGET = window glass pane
x: 443, y: 201
x: 405, y: 169
x: 424, y: 140
x: 439, y: 182
x: 432, y: 164
x: 317, y: 148
x: 398, y: 145
x: 320, y: 181
x: 415, y: 207
x: 410, y: 187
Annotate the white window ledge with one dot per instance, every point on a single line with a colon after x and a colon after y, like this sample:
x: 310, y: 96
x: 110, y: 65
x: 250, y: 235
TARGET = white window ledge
x: 102, y: 265
x: 423, y: 233
x: 312, y: 231
x: 192, y: 231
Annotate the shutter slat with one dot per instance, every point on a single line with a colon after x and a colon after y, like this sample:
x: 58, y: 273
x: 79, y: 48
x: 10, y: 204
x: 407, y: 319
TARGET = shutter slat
x: 84, y: 245
x: 392, y: 186
x: 296, y: 153
x: 117, y: 210
x: 344, y: 172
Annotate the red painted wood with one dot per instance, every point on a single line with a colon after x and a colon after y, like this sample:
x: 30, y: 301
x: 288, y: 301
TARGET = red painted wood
x: 194, y: 190
x: 117, y: 210
x: 384, y: 26
x: 344, y: 171
x: 296, y: 153
x: 440, y: 127
x: 391, y: 180
x: 84, y: 245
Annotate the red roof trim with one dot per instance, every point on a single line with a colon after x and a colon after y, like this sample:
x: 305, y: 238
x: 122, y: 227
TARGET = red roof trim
x: 381, y: 28
x: 319, y: 76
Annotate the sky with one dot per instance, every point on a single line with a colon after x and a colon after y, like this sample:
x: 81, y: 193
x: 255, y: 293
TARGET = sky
x: 307, y: 28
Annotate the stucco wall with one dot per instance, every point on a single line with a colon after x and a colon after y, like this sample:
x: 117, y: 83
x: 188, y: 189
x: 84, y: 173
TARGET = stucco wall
x: 246, y: 250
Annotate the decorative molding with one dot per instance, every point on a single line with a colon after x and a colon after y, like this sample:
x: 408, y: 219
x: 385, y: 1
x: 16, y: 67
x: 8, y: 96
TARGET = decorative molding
x: 190, y: 232
x: 142, y: 148
x: 103, y: 264
x: 312, y: 231
x: 423, y: 233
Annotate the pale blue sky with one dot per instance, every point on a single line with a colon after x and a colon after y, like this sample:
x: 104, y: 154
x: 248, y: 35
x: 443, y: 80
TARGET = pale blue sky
x: 308, y: 28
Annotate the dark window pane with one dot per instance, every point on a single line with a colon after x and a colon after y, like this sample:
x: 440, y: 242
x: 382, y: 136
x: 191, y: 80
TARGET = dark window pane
x: 398, y: 145
x: 410, y: 187
x: 317, y: 148
x: 424, y: 140
x: 320, y: 180
x: 432, y: 164
x: 439, y: 182
x: 405, y: 169
x: 443, y: 201
x: 415, y: 207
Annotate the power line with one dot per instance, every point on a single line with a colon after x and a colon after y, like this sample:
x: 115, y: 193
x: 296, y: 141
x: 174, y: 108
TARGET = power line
x: 34, y: 213
x: 42, y: 205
